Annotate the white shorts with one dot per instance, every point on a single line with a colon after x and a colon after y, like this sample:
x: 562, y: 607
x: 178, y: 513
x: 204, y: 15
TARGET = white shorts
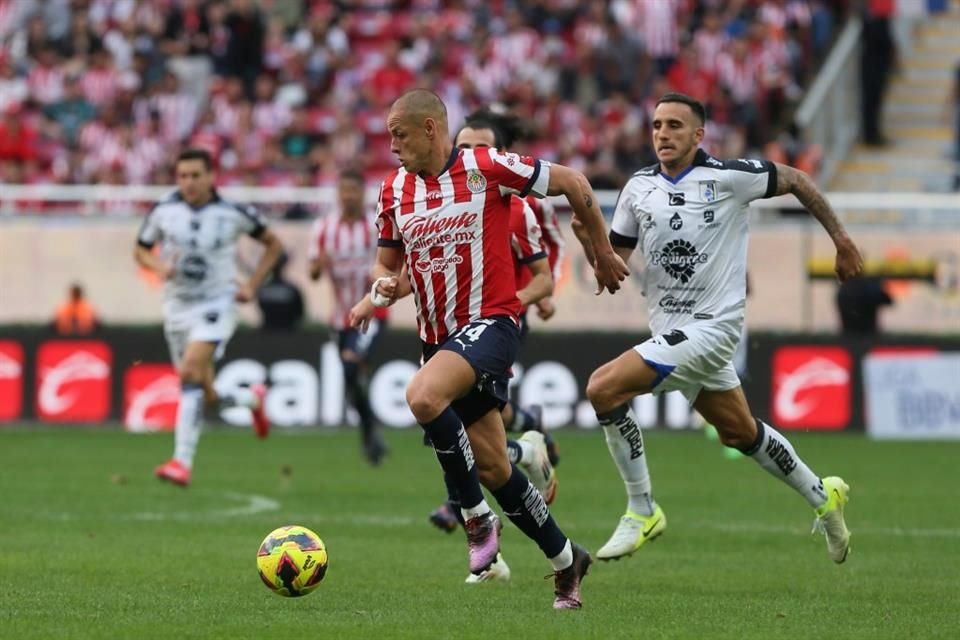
x: 693, y: 357
x: 207, y: 321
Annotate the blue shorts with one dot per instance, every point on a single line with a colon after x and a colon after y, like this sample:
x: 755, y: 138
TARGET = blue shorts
x: 490, y: 345
x: 361, y: 344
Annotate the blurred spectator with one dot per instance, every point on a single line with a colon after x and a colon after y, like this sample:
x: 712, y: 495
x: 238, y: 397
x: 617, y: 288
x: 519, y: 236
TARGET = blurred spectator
x: 72, y: 111
x: 280, y: 301
x: 18, y: 138
x: 76, y: 316
x: 876, y: 64
x: 246, y: 32
x: 859, y: 301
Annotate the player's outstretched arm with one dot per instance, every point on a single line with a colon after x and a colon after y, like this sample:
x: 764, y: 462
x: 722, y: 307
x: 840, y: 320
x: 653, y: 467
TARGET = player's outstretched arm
x: 540, y: 286
x: 789, y: 180
x: 272, y: 248
x: 146, y: 258
x: 573, y: 185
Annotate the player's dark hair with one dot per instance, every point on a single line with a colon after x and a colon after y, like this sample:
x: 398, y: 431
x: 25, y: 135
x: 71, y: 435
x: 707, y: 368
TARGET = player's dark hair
x: 695, y: 105
x: 196, y: 154
x: 352, y: 174
x: 507, y: 128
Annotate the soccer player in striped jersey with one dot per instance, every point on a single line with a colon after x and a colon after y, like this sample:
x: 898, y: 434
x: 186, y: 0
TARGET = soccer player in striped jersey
x: 343, y: 245
x: 444, y: 214
x: 688, y: 214
x: 198, y: 232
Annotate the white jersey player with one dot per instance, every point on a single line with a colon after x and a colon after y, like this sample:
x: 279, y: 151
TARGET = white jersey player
x: 688, y: 214
x: 198, y: 232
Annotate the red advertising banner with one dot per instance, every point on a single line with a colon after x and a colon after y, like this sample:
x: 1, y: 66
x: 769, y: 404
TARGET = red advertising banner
x: 11, y: 380
x: 811, y: 387
x: 73, y: 381
x: 151, y: 394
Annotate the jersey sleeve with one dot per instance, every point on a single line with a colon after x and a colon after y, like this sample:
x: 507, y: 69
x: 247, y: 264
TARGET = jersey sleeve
x: 751, y: 179
x: 150, y: 232
x: 388, y: 233
x: 515, y: 174
x: 625, y: 229
x: 525, y: 232
x: 316, y: 239
x: 252, y: 221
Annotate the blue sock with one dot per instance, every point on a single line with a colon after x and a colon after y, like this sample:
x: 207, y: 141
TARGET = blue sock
x: 523, y: 504
x: 452, y: 447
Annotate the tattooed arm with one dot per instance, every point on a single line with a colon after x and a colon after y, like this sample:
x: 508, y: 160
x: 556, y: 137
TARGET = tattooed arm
x: 573, y: 185
x: 849, y: 262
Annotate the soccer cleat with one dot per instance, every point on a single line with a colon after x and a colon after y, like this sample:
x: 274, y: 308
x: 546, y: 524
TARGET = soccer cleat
x: 498, y: 572
x: 567, y: 581
x: 539, y: 470
x: 375, y: 450
x: 483, y: 541
x: 173, y: 471
x: 553, y: 449
x: 631, y: 534
x: 445, y: 518
x: 830, y: 518
x: 261, y: 425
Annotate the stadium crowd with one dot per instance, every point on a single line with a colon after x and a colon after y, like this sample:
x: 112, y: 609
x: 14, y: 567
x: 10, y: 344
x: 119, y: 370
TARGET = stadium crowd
x: 286, y: 92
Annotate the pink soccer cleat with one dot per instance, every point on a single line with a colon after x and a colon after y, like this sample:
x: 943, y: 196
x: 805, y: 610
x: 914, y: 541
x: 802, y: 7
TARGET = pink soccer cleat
x: 173, y: 471
x: 261, y: 425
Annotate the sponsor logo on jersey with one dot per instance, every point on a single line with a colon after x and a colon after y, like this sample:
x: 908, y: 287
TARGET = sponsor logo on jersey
x: 151, y: 394
x: 193, y: 267
x: 812, y: 387
x: 73, y: 381
x: 677, y: 200
x: 708, y: 190
x: 423, y: 232
x: 708, y: 216
x: 670, y: 304
x: 648, y: 222
x: 676, y: 222
x: 679, y: 258
x: 425, y: 264
x: 476, y: 182
x: 11, y: 380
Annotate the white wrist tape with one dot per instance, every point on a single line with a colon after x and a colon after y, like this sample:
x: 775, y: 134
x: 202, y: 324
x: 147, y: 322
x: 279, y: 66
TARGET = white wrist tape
x: 375, y: 298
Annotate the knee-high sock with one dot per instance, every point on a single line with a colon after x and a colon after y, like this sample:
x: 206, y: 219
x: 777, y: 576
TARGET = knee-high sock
x: 453, y: 498
x: 523, y: 504
x: 452, y: 447
x: 625, y: 443
x: 189, y: 415
x: 356, y: 385
x: 774, y: 453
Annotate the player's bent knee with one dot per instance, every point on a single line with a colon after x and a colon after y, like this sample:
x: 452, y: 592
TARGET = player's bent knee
x: 602, y: 392
x: 424, y: 406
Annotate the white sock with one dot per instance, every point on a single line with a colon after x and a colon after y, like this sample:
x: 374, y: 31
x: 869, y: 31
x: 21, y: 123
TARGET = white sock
x: 563, y: 559
x: 187, y: 434
x: 473, y: 512
x: 625, y: 443
x: 526, y: 451
x: 774, y: 453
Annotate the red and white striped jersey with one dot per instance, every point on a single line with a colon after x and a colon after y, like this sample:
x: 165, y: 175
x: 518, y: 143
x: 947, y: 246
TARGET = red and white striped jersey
x: 46, y: 84
x: 351, y: 246
x: 526, y: 239
x: 100, y: 85
x: 551, y: 236
x: 455, y: 231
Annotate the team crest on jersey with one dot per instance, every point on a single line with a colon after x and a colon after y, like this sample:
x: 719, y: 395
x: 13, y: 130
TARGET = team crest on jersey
x: 708, y: 190
x: 476, y: 183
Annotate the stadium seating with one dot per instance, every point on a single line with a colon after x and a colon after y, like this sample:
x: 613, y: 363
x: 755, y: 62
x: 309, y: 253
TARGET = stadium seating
x: 284, y: 93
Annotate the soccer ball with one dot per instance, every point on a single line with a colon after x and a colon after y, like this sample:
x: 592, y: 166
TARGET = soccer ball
x: 292, y: 561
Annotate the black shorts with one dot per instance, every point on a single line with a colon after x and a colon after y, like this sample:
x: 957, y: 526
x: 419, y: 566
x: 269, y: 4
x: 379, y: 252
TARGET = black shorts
x: 361, y: 344
x: 490, y: 345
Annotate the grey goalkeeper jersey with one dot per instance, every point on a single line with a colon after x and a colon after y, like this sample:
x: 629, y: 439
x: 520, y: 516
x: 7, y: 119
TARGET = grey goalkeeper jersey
x: 692, y: 231
x: 201, y: 244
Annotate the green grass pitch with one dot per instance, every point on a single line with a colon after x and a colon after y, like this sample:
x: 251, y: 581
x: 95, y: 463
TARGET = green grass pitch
x: 94, y: 547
